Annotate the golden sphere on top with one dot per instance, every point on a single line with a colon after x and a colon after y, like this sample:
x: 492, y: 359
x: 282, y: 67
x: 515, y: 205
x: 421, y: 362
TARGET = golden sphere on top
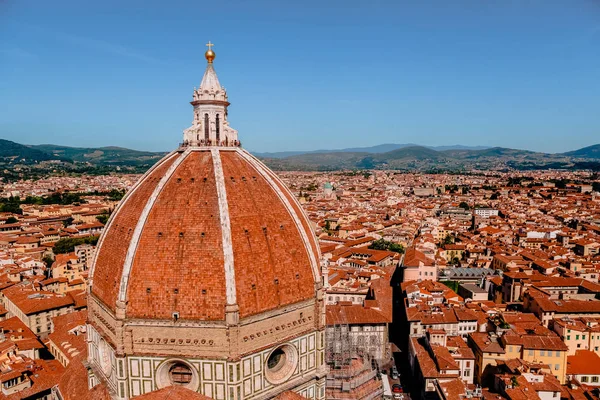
x: 210, y: 55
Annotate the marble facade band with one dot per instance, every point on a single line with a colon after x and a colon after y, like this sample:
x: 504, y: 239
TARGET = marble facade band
x: 220, y: 379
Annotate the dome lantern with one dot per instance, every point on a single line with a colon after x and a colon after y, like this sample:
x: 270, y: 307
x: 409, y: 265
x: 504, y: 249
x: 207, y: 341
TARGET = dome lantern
x: 210, y: 125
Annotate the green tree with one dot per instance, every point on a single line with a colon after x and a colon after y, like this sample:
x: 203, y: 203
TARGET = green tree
x: 68, y: 221
x: 560, y: 183
x: 451, y: 284
x: 48, y: 261
x: 448, y: 239
x: 116, y: 194
x: 463, y: 205
x: 103, y: 218
x: 11, y: 220
x: 67, y: 245
x: 382, y: 244
x: 494, y: 196
x: 11, y: 207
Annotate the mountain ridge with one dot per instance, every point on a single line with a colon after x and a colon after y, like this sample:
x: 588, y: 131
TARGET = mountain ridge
x: 408, y: 157
x: 380, y: 148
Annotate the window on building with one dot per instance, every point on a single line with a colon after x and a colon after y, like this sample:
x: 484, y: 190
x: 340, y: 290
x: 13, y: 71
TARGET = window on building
x: 206, y: 127
x: 556, y: 367
x: 568, y: 337
x: 583, y: 337
x: 557, y: 354
x: 542, y: 353
x: 468, y: 364
x: 530, y: 352
x: 180, y: 374
x: 218, y: 129
x: 576, y: 337
x: 595, y: 379
x: 584, y: 379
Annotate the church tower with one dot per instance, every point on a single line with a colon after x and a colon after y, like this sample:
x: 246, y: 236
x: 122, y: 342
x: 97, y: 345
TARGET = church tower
x: 207, y: 275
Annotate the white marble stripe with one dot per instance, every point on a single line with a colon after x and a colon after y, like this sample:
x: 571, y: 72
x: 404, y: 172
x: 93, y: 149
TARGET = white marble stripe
x: 230, y: 289
x: 137, y: 233
x: 264, y: 171
x: 120, y: 207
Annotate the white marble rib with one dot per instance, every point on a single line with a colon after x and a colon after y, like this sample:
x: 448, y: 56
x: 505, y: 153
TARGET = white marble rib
x: 137, y: 233
x: 230, y: 288
x: 120, y: 207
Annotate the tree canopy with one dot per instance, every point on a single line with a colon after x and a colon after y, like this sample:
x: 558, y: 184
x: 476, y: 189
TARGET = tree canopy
x: 67, y: 245
x: 382, y: 244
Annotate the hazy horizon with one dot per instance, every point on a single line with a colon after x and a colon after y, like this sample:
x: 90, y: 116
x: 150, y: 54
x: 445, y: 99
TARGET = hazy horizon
x: 306, y: 150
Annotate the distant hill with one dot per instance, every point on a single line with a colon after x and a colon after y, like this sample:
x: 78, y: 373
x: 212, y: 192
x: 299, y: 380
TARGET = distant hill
x: 404, y: 157
x: 586, y: 152
x: 18, y: 153
x: 102, y: 155
x: 381, y: 148
x: 420, y: 158
x: 410, y: 153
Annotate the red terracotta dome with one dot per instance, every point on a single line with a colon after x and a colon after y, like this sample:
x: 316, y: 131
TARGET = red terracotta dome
x: 206, y: 228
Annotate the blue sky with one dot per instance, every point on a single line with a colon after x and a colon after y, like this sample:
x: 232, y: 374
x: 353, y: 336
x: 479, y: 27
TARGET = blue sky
x: 304, y: 75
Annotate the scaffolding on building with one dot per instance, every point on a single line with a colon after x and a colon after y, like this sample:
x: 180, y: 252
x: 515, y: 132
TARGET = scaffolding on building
x: 353, y: 368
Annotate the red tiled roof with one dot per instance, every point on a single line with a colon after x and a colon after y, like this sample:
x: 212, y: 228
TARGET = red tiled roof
x: 73, y: 384
x: 289, y: 395
x: 584, y: 362
x: 172, y: 393
x: 31, y: 302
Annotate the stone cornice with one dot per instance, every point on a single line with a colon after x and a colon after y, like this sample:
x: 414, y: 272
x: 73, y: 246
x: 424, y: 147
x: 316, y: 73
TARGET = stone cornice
x: 210, y: 102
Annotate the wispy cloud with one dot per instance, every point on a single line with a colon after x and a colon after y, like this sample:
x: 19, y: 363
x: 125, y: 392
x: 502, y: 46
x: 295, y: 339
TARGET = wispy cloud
x: 107, y: 47
x: 17, y: 53
x: 96, y: 44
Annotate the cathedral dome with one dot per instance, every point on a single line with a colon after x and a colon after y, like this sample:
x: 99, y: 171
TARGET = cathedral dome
x: 207, y: 275
x: 204, y: 229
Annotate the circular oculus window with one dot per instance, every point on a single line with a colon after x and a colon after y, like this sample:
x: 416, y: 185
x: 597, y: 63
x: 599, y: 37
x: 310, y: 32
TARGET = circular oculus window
x: 177, y: 372
x: 281, y: 364
x: 180, y: 374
